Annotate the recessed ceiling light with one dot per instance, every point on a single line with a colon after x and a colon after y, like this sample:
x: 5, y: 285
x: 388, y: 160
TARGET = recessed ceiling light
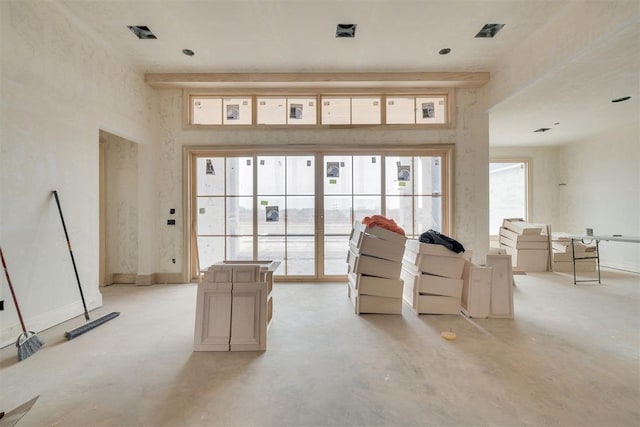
x: 489, y: 30
x: 142, y: 32
x: 188, y: 52
x: 624, y: 98
x: 542, y: 130
x: 346, y: 30
x: 444, y: 51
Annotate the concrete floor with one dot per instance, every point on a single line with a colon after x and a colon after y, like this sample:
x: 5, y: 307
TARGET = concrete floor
x: 571, y: 357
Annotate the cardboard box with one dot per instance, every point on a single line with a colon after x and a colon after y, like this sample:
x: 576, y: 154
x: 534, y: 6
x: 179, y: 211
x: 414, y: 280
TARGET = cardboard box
x: 366, y: 244
x: 445, y: 266
x: 374, y: 304
x: 434, y: 285
x: 437, y: 304
x: 523, y: 244
x: 583, y: 266
x: 521, y: 227
x: 529, y: 259
x: 376, y: 286
x: 371, y: 266
x: 579, y: 247
x: 512, y: 235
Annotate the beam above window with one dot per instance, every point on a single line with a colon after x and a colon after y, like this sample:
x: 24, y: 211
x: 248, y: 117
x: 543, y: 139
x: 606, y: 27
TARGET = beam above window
x: 337, y: 81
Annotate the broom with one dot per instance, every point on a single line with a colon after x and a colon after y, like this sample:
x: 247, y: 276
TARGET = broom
x: 90, y: 325
x: 28, y: 342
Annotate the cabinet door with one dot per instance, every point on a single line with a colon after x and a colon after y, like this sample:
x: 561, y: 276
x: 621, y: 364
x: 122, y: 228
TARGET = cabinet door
x: 501, y: 286
x: 213, y: 317
x: 249, y: 317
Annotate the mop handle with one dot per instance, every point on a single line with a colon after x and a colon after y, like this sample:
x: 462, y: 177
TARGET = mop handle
x: 13, y: 294
x: 73, y: 261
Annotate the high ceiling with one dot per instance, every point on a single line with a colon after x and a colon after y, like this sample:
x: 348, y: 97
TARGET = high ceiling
x: 298, y: 36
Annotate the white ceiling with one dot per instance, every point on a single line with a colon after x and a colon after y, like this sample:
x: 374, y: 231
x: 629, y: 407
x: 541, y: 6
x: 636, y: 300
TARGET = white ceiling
x: 296, y: 36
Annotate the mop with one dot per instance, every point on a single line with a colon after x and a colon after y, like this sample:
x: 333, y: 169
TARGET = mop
x: 28, y: 342
x: 91, y: 324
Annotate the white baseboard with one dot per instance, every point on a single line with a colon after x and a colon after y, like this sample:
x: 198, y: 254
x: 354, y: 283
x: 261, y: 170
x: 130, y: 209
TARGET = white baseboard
x: 169, y: 278
x: 124, y: 279
x: 621, y: 266
x: 146, y: 279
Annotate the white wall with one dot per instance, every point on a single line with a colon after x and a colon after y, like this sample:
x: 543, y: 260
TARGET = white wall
x: 602, y: 174
x: 471, y: 156
x: 591, y: 183
x: 58, y: 88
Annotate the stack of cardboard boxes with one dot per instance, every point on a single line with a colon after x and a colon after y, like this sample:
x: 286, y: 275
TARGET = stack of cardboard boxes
x: 563, y: 255
x: 432, y: 276
x: 526, y: 243
x: 375, y: 261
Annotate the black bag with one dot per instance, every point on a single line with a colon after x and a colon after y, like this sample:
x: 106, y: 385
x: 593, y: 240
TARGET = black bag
x: 436, y: 238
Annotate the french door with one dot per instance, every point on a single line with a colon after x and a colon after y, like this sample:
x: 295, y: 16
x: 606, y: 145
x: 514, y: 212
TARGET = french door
x: 299, y: 206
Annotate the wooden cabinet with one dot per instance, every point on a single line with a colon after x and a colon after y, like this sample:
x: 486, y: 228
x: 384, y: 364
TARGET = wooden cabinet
x: 501, y: 286
x: 249, y: 317
x: 213, y: 317
x: 234, y: 314
x: 476, y: 291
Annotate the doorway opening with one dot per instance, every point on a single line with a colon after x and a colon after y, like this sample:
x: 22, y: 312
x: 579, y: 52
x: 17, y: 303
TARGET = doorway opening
x: 509, y: 192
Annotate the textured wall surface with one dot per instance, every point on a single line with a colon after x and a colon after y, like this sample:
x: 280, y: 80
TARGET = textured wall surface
x: 471, y: 157
x: 58, y: 89
x: 602, y: 174
x: 121, y: 200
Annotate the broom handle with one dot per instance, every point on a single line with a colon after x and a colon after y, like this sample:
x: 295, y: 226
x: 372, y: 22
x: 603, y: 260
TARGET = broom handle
x: 13, y: 294
x: 73, y: 261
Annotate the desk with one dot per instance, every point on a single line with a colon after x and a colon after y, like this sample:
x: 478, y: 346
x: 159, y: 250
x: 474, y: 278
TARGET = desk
x: 596, y: 256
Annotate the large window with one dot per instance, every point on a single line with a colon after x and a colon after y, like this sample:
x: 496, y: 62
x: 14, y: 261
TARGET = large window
x: 299, y: 206
x: 509, y: 192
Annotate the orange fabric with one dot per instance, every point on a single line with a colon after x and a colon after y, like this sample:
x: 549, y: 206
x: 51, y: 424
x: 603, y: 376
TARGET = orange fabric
x: 382, y: 222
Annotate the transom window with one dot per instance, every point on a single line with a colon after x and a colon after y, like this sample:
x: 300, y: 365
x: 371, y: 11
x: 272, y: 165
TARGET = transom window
x: 429, y: 109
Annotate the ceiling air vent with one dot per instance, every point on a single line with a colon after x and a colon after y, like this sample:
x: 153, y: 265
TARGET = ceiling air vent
x: 346, y: 30
x: 542, y: 130
x: 489, y: 30
x: 142, y: 32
